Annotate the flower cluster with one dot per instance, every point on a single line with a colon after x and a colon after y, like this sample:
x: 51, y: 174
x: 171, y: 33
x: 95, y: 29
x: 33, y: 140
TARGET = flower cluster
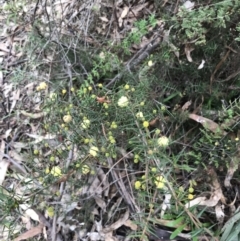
x: 85, y: 123
x: 163, y: 141
x: 85, y: 169
x: 93, y: 151
x: 160, y: 182
x: 67, y: 118
x: 123, y: 102
x: 41, y: 86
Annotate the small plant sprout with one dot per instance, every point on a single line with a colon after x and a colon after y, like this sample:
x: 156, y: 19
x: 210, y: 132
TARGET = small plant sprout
x: 123, y: 102
x: 93, y: 151
x: 67, y: 118
x: 163, y: 141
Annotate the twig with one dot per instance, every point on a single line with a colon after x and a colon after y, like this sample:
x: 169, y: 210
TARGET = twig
x: 17, y: 165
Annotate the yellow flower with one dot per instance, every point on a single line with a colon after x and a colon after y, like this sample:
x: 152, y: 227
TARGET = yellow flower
x: 150, y: 63
x: 163, y: 141
x: 47, y: 170
x: 142, y: 103
x: 56, y: 171
x: 53, y: 96
x: 36, y: 152
x: 42, y: 86
x: 236, y: 139
x: 154, y: 169
x: 85, y: 169
x: 159, y: 182
x: 52, y: 159
x: 126, y: 87
x: 86, y: 140
x: 67, y: 118
x: 105, y: 105
x: 72, y: 89
x: 64, y: 91
x: 137, y: 185
x: 139, y: 115
x: 145, y: 124
x: 190, y: 196
x: 190, y: 190
x: 85, y: 124
x: 136, y: 161
x: 50, y: 212
x: 102, y: 55
x: 181, y: 189
x: 93, y: 151
x: 113, y: 125
x: 157, y: 131
x: 123, y: 101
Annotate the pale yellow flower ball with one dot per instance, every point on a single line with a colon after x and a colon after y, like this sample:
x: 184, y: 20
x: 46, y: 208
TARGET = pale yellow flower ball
x: 127, y: 87
x: 160, y: 182
x: 145, y: 124
x: 123, y: 101
x: 150, y: 63
x: 163, y: 141
x: 50, y: 212
x: 139, y: 115
x: 67, y: 118
x: 42, y: 86
x: 85, y: 124
x: 93, y: 151
x: 85, y: 169
x: 53, y: 96
x: 190, y: 196
x: 137, y: 185
x: 56, y: 171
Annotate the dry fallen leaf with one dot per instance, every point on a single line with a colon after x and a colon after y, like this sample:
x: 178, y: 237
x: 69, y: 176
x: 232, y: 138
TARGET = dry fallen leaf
x: 188, y: 49
x: 30, y: 233
x: 131, y: 225
x: 202, y: 64
x: 186, y: 105
x: 208, y: 124
x: 124, y: 12
x: 3, y: 163
x: 117, y: 224
x: 103, y: 100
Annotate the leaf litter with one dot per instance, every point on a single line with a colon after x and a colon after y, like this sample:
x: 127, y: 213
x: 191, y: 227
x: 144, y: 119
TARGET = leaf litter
x: 98, y: 189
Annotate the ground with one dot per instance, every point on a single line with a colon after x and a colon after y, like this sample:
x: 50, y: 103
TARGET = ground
x: 119, y: 120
